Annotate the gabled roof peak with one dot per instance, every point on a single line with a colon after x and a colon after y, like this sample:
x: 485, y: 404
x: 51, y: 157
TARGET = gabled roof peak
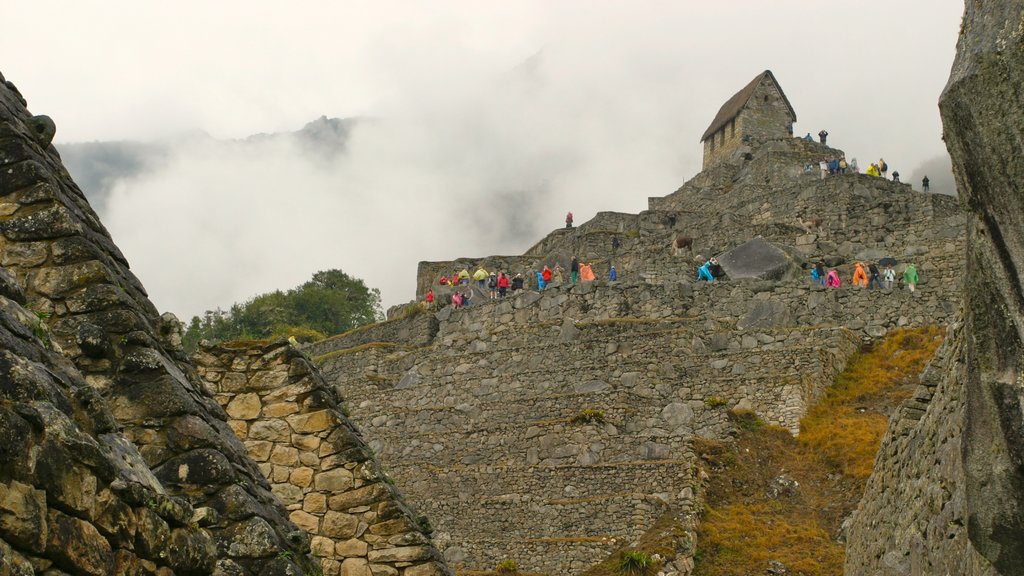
x: 733, y: 105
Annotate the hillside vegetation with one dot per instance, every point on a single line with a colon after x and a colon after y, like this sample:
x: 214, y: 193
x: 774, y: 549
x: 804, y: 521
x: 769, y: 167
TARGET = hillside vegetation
x: 778, y: 502
x: 331, y: 302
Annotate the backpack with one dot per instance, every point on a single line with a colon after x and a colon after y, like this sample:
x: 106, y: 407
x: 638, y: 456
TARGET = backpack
x: 885, y: 167
x: 492, y: 282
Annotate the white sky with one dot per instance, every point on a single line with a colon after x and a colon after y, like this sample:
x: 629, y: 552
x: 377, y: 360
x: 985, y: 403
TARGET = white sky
x: 580, y: 105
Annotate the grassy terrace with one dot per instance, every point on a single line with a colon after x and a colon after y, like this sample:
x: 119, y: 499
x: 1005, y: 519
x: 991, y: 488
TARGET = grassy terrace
x: 752, y: 518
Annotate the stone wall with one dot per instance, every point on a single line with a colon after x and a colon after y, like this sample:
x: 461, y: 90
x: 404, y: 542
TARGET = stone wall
x: 983, y: 126
x: 913, y: 516
x: 417, y: 330
x: 75, y: 496
x: 484, y: 429
x: 318, y: 465
x: 764, y: 117
x: 79, y: 283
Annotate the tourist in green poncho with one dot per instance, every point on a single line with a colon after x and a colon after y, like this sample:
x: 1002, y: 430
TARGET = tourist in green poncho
x: 910, y: 277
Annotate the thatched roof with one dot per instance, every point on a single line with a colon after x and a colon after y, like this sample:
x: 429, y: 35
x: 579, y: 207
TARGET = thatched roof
x: 733, y: 105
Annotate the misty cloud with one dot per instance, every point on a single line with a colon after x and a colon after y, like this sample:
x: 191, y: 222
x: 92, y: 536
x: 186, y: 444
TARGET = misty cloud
x: 481, y: 124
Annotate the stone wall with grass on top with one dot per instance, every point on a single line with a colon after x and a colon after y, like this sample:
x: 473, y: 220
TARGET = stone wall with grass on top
x: 316, y: 461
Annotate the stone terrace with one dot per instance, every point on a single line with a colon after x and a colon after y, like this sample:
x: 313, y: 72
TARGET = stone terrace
x: 480, y: 414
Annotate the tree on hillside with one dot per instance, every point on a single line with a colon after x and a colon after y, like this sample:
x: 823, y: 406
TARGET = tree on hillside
x: 331, y: 302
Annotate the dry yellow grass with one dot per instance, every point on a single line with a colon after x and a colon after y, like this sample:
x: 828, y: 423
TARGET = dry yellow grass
x: 744, y: 528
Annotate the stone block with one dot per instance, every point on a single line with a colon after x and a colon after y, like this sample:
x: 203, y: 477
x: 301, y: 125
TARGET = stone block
x: 321, y: 546
x: 23, y: 515
x: 305, y: 442
x: 315, y: 503
x: 313, y: 422
x: 306, y: 521
x: 359, y: 497
x: 425, y: 569
x: 280, y: 409
x: 355, y: 567
x: 259, y: 450
x: 302, y: 477
x: 400, y: 554
x: 339, y: 525
x: 272, y: 430
x: 244, y: 407
x: 352, y: 547
x: 336, y: 480
x: 284, y: 456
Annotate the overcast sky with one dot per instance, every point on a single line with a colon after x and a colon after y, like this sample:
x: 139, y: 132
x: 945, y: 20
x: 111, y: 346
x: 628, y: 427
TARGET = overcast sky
x: 491, y: 120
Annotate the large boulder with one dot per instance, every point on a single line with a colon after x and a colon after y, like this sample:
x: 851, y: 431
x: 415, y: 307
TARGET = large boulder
x: 983, y: 127
x: 762, y: 260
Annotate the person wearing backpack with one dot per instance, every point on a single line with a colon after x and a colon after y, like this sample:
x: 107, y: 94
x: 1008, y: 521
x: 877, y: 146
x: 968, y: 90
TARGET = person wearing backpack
x: 882, y: 167
x: 492, y: 286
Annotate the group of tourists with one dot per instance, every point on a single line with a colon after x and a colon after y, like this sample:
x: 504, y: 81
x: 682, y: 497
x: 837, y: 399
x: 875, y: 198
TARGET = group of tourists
x: 868, y: 277
x: 498, y: 283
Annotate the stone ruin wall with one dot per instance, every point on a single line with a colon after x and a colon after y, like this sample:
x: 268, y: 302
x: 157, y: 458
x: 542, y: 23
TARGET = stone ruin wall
x: 418, y: 330
x: 759, y: 119
x: 912, y: 518
x: 862, y: 218
x: 75, y: 495
x: 94, y: 309
x: 946, y: 493
x: 477, y: 428
x: 318, y: 465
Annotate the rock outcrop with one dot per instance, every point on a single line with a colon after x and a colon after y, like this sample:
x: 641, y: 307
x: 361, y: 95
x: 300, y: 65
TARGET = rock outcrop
x: 966, y: 515
x: 983, y: 120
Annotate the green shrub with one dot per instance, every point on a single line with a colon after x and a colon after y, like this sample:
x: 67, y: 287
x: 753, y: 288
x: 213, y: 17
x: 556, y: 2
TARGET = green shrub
x: 715, y: 401
x: 507, y: 567
x: 589, y: 416
x: 634, y: 562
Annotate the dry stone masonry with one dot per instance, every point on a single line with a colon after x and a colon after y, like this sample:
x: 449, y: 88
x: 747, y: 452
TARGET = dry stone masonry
x: 951, y: 463
x: 83, y: 295
x: 318, y: 465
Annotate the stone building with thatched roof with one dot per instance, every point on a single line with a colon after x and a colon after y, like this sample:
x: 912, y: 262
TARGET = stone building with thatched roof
x: 757, y: 113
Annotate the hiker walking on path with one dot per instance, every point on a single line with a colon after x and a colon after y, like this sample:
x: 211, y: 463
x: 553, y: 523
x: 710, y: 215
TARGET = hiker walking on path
x: 615, y: 244
x: 568, y: 220
x: 503, y: 283
x: 889, y: 276
x: 540, y: 281
x: 587, y: 273
x: 480, y: 276
x: 823, y: 166
x: 558, y: 274
x: 612, y: 276
x: 924, y: 183
x: 832, y: 279
x: 457, y: 300
x: 910, y: 277
x: 464, y: 276
x: 492, y: 286
x: 517, y: 283
x: 882, y: 167
x: 819, y: 272
x: 546, y: 275
x: 574, y: 270
x: 859, y: 276
x: 873, y: 276
x: 429, y: 299
x: 822, y: 136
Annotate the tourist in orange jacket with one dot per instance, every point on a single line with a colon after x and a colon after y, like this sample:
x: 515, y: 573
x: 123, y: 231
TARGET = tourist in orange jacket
x: 860, y: 277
